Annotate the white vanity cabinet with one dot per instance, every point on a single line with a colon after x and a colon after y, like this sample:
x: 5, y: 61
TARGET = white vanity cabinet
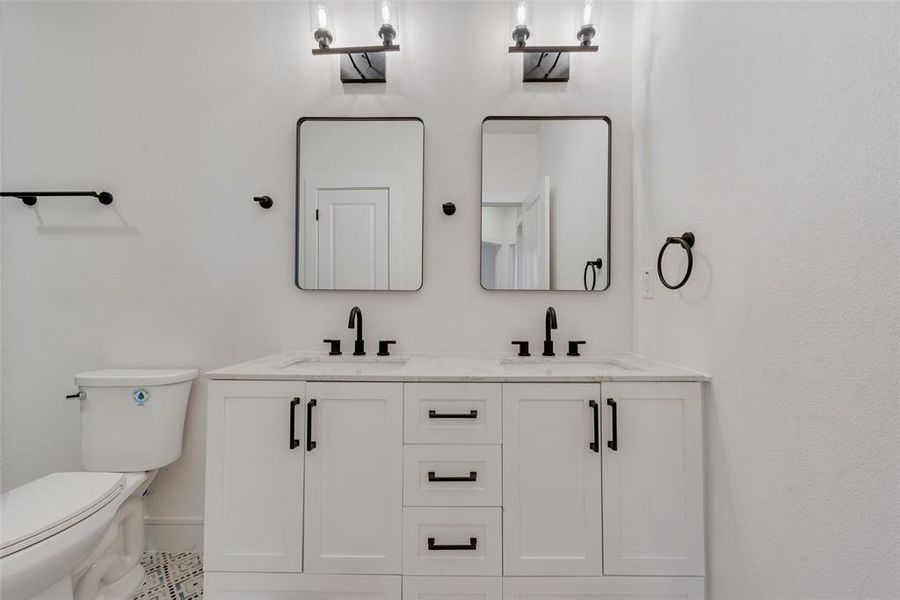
x: 453, y: 487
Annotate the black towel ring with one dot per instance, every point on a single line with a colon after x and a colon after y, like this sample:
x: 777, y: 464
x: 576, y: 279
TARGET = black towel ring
x: 687, y: 242
x: 593, y: 266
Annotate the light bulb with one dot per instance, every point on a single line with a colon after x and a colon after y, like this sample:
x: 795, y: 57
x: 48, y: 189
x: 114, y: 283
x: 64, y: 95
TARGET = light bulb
x: 319, y: 22
x: 586, y: 22
x: 521, y: 14
x: 587, y: 16
x: 386, y: 17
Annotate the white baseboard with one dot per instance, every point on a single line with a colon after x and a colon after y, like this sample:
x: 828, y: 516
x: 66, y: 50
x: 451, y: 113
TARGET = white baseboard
x: 174, y: 534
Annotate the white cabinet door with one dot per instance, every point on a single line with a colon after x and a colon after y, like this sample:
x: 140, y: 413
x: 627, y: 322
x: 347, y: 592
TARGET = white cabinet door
x: 652, y: 479
x: 354, y: 482
x: 254, y: 476
x: 551, y: 480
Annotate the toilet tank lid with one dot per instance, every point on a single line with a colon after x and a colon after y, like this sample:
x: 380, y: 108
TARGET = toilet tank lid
x: 39, y: 509
x: 134, y: 377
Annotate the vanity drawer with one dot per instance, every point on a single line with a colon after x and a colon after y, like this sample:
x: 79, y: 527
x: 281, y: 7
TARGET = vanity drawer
x: 452, y: 588
x: 452, y: 413
x: 452, y: 475
x: 452, y: 541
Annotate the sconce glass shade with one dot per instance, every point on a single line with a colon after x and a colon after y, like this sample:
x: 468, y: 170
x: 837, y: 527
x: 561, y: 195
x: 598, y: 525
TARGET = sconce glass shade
x: 387, y: 18
x: 587, y: 18
x: 321, y: 22
x: 520, y: 15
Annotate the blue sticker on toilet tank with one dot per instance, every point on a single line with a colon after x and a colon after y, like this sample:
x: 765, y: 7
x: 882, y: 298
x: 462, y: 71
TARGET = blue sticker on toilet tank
x: 140, y: 396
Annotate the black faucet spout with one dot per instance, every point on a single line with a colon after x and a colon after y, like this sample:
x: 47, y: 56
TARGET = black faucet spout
x: 356, y: 320
x: 549, y: 324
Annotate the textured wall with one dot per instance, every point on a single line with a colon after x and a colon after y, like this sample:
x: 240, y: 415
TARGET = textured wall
x: 771, y: 131
x: 185, y: 110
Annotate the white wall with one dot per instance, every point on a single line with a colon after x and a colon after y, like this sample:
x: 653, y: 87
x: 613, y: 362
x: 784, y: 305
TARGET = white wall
x: 185, y: 111
x: 509, y: 166
x: 770, y: 130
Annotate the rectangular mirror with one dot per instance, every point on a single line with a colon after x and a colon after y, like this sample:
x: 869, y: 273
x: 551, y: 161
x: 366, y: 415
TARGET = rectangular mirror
x: 359, y: 203
x: 545, y: 197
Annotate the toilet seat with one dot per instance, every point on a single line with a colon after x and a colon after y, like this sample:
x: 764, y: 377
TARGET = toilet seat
x: 42, y: 508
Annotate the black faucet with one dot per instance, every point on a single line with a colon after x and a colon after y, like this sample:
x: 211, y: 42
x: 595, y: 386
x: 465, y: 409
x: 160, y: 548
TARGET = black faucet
x: 549, y: 323
x: 359, y: 346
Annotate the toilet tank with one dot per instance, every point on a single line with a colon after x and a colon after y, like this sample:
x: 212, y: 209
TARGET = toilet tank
x: 133, y: 419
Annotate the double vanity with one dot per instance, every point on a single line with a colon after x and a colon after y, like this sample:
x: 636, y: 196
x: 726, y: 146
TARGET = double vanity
x: 454, y: 477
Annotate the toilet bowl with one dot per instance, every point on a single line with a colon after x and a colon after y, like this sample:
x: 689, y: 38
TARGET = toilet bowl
x: 79, y: 536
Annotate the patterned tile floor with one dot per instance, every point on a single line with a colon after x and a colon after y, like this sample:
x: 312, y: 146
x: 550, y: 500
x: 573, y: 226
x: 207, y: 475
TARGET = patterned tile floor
x: 172, y: 576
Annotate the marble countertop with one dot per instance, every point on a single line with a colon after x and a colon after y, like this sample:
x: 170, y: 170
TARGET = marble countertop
x: 314, y: 366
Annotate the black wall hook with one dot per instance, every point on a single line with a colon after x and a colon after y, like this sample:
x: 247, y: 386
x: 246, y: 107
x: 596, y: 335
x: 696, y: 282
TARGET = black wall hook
x: 686, y: 241
x: 449, y: 208
x: 30, y: 198
x: 264, y: 201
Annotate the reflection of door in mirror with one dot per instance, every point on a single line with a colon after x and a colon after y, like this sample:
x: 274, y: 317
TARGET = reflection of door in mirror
x: 533, y: 238
x: 359, y: 204
x: 545, y: 202
x: 352, y: 233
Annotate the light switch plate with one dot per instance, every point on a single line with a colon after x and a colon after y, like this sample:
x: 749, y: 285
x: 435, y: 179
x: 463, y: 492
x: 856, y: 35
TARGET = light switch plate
x: 647, y: 284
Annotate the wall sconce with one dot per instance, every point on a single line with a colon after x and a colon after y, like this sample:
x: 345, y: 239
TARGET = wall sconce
x: 359, y: 64
x: 551, y: 63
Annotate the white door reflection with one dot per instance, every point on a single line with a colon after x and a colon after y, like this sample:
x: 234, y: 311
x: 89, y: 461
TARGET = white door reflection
x: 352, y: 232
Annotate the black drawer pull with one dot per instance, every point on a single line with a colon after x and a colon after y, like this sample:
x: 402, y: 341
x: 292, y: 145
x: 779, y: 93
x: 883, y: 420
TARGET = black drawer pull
x: 473, y: 476
x: 472, y: 545
x: 472, y: 414
x: 595, y: 408
x: 310, y: 444
x: 613, y: 444
x: 294, y: 441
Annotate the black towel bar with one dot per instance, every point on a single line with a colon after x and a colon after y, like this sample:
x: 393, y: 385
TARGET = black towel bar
x: 30, y: 198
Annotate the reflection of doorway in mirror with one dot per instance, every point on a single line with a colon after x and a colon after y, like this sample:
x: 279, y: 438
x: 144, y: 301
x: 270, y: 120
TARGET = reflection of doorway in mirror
x: 352, y: 238
x: 533, y: 239
x: 515, y: 249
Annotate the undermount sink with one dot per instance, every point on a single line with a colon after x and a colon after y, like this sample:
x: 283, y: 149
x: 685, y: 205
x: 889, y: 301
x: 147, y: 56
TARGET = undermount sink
x: 347, y: 363
x: 563, y: 363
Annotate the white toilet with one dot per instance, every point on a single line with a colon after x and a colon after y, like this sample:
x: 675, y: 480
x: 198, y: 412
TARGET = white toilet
x: 80, y: 535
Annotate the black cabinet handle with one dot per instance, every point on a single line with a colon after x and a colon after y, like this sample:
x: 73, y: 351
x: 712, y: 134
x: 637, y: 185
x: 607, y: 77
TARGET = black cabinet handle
x: 310, y: 444
x: 473, y: 476
x: 595, y: 409
x: 613, y: 444
x: 294, y: 441
x: 472, y: 414
x: 472, y: 545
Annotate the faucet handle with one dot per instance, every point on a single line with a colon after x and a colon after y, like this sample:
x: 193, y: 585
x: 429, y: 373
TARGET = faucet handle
x: 335, y: 347
x: 573, y: 347
x: 523, y: 348
x: 384, y: 347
